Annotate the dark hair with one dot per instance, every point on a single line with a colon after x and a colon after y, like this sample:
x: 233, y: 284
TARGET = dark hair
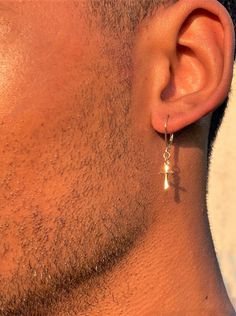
x: 218, y: 114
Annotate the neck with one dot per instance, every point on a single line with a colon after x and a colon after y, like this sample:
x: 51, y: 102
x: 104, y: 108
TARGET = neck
x: 174, y: 269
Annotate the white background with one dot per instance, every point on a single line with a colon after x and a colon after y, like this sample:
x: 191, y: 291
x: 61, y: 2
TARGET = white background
x: 222, y: 196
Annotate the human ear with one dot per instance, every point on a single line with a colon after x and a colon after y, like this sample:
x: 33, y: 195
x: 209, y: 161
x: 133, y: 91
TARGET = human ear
x: 183, y: 62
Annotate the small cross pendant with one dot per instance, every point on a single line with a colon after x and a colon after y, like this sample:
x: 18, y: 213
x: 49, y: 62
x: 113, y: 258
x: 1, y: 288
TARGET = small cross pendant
x: 167, y: 172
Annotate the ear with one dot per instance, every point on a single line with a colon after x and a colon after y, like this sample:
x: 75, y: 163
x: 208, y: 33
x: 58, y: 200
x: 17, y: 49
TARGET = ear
x: 183, y: 61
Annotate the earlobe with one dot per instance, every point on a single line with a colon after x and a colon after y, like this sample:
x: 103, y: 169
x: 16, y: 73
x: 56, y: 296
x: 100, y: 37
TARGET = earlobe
x: 190, y: 66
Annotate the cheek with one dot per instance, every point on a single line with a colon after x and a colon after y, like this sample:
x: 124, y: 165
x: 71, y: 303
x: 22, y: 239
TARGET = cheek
x: 34, y: 85
x: 37, y: 103
x: 41, y: 62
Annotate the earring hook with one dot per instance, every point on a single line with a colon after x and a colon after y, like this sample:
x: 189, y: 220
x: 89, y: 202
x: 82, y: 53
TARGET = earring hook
x: 166, y: 131
x: 170, y: 140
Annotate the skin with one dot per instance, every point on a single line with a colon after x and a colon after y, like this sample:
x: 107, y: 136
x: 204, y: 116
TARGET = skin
x: 85, y: 225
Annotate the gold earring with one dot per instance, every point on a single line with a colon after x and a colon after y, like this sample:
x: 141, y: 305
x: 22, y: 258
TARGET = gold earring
x: 167, y: 171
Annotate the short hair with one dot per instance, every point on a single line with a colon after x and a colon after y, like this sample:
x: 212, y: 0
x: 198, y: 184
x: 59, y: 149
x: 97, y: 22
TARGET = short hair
x: 122, y: 15
x: 218, y: 114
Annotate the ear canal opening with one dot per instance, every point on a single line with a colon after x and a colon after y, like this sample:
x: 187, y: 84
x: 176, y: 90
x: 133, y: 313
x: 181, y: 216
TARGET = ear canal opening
x: 169, y: 91
x: 187, y: 75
